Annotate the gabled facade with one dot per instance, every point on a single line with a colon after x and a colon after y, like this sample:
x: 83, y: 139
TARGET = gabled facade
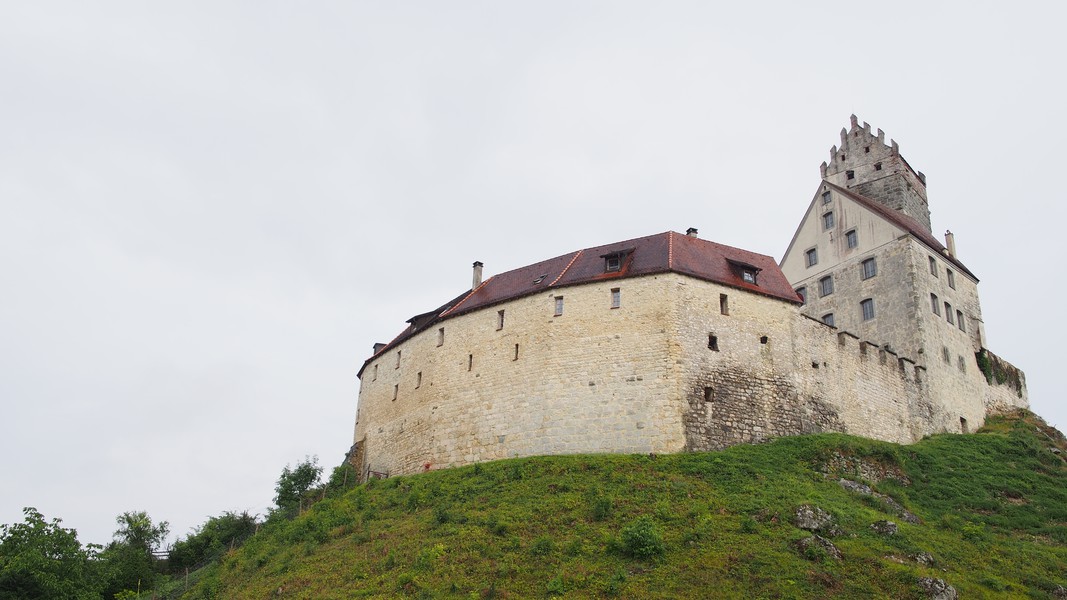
x: 868, y: 264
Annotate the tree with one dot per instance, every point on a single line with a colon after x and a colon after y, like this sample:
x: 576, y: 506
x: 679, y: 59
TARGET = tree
x: 128, y: 557
x: 40, y: 559
x: 295, y: 482
x: 211, y: 539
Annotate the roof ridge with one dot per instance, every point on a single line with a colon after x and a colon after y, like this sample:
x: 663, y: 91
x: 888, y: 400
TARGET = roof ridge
x: 670, y: 249
x: 465, y: 298
x: 564, y: 271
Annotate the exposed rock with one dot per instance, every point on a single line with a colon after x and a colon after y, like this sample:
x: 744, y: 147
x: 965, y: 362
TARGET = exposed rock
x: 937, y: 589
x: 893, y: 506
x: 884, y: 527
x: 855, y: 487
x: 864, y: 468
x: 813, y: 518
x: 923, y: 558
x: 813, y: 546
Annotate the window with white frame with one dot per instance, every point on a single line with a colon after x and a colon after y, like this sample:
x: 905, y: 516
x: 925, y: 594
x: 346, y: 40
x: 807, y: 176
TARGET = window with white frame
x: 559, y: 306
x: 616, y: 297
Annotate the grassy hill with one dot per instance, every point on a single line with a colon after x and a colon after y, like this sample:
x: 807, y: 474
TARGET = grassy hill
x: 992, y: 509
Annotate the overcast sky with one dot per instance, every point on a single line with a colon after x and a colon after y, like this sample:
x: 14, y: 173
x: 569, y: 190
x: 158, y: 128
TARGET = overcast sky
x: 212, y: 210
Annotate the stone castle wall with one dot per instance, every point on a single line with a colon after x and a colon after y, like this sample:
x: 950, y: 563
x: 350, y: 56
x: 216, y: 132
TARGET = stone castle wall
x: 638, y: 378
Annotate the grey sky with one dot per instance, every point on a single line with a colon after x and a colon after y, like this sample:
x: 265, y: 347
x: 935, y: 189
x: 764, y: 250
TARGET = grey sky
x: 210, y: 211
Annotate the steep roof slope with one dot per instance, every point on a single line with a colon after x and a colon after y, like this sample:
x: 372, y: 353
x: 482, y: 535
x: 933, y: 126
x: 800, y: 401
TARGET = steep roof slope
x: 660, y: 253
x: 904, y: 222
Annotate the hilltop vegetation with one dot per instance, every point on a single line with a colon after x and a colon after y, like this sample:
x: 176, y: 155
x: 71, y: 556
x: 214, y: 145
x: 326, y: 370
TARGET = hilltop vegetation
x: 992, y: 511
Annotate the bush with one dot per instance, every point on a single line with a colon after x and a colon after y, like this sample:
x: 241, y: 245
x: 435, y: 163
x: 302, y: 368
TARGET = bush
x: 642, y: 538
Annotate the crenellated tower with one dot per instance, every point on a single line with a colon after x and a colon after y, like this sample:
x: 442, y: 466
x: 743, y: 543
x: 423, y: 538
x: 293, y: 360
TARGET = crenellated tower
x: 865, y: 165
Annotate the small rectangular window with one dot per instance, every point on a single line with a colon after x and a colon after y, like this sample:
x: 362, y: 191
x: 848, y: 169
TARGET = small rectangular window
x: 616, y: 298
x: 748, y: 276
x: 826, y: 286
x: 559, y: 305
x: 828, y: 318
x: 713, y: 342
x: 612, y: 263
x: 948, y: 314
x: 396, y: 391
x: 418, y: 380
x: 851, y: 239
x: 397, y: 359
x: 850, y: 175
x: 499, y: 320
x: 933, y: 266
x: 959, y: 321
x: 935, y: 304
x: 945, y: 355
x: 441, y: 336
x: 812, y: 257
x: 470, y: 362
x: 375, y: 378
x: 870, y: 269
x: 877, y: 166
x: 516, y: 352
x: 951, y: 277
x: 828, y: 220
x: 826, y: 197
x: 867, y: 307
x: 803, y: 293
x: 724, y: 304
x: 962, y: 364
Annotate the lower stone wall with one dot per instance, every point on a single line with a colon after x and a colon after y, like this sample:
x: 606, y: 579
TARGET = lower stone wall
x: 672, y: 369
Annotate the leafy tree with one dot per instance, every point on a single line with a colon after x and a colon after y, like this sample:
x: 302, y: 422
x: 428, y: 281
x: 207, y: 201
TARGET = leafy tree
x: 40, y: 559
x: 295, y: 482
x: 343, y: 477
x: 128, y: 557
x: 211, y: 539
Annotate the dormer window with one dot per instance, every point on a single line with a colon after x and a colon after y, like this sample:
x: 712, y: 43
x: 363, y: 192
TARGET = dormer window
x: 540, y: 279
x: 747, y: 272
x: 613, y: 260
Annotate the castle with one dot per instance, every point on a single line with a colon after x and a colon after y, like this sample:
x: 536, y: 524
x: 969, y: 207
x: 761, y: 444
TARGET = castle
x: 671, y: 343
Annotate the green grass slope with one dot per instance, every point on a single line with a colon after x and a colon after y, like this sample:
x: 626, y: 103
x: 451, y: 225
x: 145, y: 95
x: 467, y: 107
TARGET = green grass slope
x: 993, y: 510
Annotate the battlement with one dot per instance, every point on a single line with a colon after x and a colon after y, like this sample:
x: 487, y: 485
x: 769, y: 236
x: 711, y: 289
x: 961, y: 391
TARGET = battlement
x: 865, y: 163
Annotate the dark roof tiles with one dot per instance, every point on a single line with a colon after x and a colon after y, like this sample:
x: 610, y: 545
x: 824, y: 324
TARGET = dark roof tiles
x: 660, y: 253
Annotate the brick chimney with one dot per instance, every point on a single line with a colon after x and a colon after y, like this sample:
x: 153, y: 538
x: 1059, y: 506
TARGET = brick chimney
x: 477, y: 275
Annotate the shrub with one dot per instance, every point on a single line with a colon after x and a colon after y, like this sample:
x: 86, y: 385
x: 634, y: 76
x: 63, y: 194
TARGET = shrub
x: 642, y: 538
x: 542, y: 546
x: 601, y: 508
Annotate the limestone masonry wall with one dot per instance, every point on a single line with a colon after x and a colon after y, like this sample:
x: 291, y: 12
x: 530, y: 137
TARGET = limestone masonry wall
x: 666, y: 371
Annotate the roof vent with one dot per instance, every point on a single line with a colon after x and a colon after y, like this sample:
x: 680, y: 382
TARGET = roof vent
x: 692, y: 232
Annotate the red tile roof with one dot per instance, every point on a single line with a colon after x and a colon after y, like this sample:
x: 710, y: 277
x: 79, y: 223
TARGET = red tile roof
x: 906, y: 223
x: 660, y: 253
